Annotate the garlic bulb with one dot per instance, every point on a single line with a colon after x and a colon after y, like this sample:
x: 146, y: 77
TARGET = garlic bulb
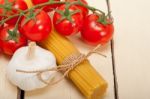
x: 30, y: 58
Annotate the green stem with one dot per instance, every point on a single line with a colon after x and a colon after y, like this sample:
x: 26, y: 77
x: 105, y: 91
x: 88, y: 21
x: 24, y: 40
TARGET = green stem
x: 87, y: 6
x: 51, y: 2
x: 4, y: 15
x: 34, y: 7
x: 13, y: 34
x: 10, y: 17
x: 16, y: 25
x: 67, y: 12
x: 109, y: 11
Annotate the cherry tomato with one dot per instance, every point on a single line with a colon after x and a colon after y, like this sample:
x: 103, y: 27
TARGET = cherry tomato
x: 1, y: 12
x: 0, y: 17
x: 10, y: 42
x: 0, y: 46
x: 65, y: 26
x: 46, y: 8
x: 84, y: 10
x: 16, y: 4
x: 1, y: 27
x: 38, y: 29
x: 95, y: 32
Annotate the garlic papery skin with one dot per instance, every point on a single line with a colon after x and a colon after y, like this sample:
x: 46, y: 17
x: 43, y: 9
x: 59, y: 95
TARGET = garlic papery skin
x: 41, y: 60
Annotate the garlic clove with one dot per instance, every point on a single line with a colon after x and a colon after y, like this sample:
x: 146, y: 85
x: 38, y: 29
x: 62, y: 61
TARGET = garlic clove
x: 42, y: 59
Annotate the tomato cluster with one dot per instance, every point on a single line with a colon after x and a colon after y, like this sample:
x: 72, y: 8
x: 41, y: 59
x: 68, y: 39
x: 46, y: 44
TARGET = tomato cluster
x: 36, y: 24
x: 94, y: 28
x: 16, y: 31
x: 11, y: 39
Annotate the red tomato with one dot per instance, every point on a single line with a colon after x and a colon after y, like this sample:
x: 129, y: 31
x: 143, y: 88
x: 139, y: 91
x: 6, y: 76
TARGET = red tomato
x: 18, y: 4
x: 0, y: 13
x: 1, y: 1
x: 84, y: 10
x: 9, y: 46
x: 65, y: 27
x: 0, y: 46
x: 95, y: 32
x: 1, y: 26
x: 0, y: 16
x: 46, y: 8
x: 39, y: 29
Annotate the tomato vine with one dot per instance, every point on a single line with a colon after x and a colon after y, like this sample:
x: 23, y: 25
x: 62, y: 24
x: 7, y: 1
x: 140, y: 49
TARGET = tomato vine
x: 8, y: 6
x: 70, y: 17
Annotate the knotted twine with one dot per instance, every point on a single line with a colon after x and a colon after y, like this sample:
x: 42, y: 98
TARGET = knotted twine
x: 67, y: 65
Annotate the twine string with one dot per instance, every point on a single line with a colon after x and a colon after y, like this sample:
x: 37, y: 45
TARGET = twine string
x: 67, y: 65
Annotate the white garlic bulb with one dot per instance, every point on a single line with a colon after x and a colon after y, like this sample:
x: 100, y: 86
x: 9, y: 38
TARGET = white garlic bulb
x: 30, y: 59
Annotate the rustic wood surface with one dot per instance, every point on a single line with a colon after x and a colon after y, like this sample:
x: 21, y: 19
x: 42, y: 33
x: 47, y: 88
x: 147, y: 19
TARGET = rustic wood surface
x: 132, y: 48
x: 66, y: 90
x: 126, y: 68
x: 7, y: 91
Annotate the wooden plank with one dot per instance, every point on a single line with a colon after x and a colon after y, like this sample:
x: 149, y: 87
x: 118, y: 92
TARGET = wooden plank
x: 7, y: 91
x: 132, y: 48
x: 65, y: 89
x: 116, y: 95
x: 102, y: 65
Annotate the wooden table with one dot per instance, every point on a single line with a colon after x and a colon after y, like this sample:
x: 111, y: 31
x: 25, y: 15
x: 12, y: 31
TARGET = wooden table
x: 126, y: 67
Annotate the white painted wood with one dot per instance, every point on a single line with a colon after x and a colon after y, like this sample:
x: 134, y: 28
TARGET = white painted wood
x: 65, y: 89
x: 132, y: 47
x: 7, y: 91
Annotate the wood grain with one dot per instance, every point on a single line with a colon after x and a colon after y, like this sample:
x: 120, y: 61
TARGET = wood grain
x: 7, y: 91
x: 65, y: 89
x: 132, y: 48
x: 131, y: 52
